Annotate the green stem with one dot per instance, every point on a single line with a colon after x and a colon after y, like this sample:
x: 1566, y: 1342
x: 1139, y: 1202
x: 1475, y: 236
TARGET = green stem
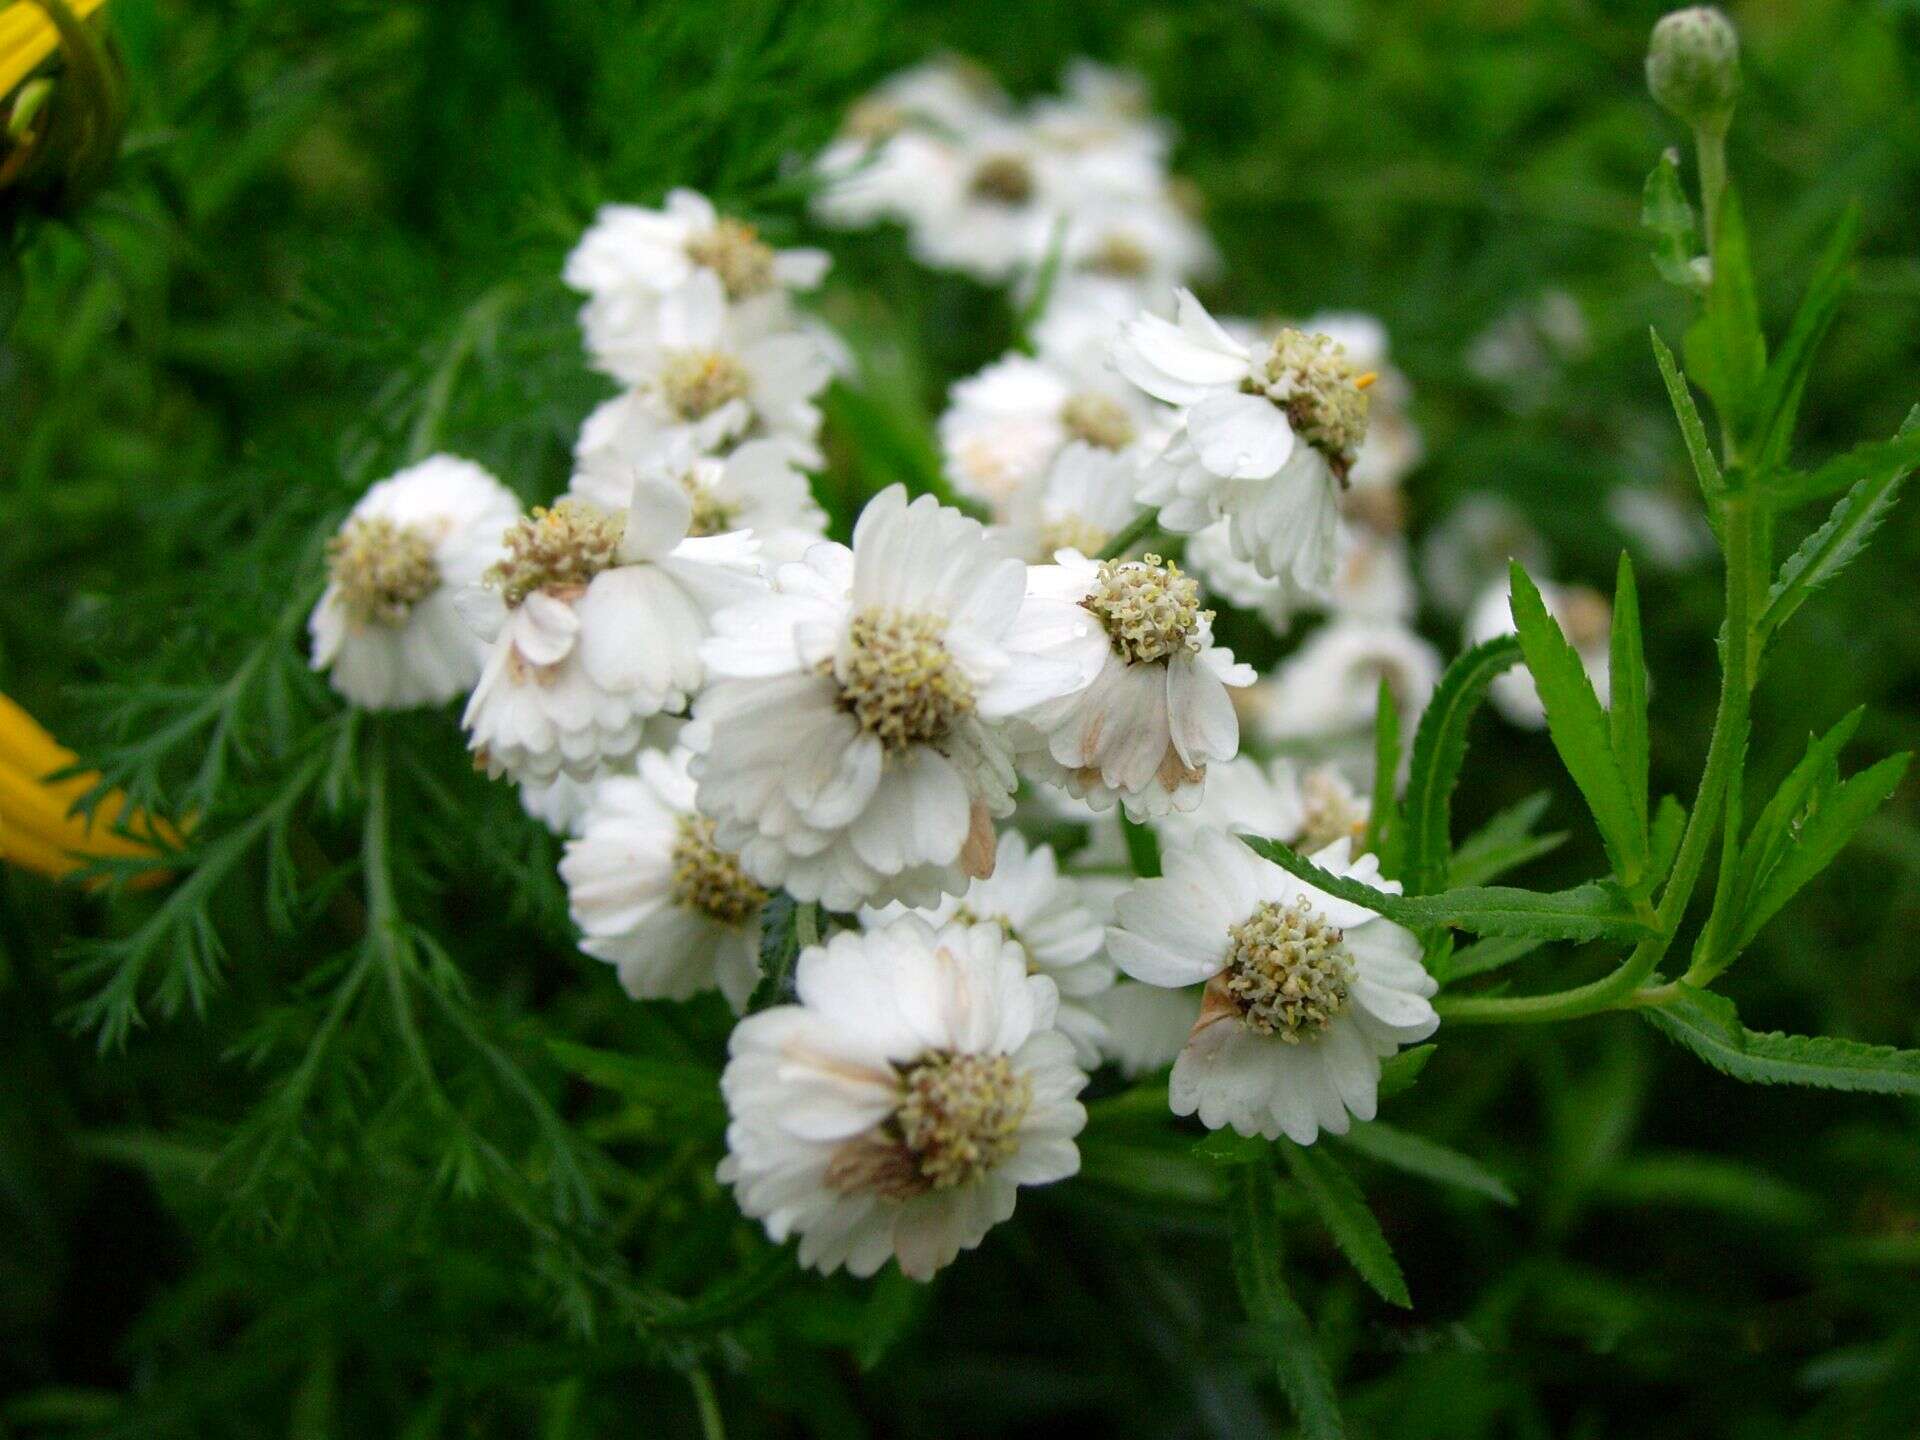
x: 806, y: 923
x: 1146, y: 523
x: 1711, y: 147
x: 712, y: 1425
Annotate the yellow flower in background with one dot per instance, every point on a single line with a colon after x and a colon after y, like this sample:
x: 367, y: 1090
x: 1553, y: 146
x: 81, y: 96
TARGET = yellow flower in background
x: 28, y: 36
x: 59, y: 126
x: 38, y: 829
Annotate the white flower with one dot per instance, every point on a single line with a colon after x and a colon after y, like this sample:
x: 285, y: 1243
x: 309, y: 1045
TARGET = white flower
x: 991, y: 212
x: 1330, y: 688
x: 897, y: 1108
x: 1042, y: 912
x: 754, y: 487
x: 654, y: 896
x: 1305, y: 992
x: 631, y: 257
x: 1084, y: 314
x: 855, y: 753
x: 605, y: 613
x: 1245, y: 797
x: 1157, y: 713
x: 1372, y: 579
x: 386, y: 629
x: 1266, y: 436
x: 1585, y: 617
x: 1471, y: 549
x: 1085, y: 499
x: 1146, y: 242
x: 708, y: 374
x: 1146, y: 1027
x: 1392, y: 445
x: 1005, y: 426
x: 1671, y: 534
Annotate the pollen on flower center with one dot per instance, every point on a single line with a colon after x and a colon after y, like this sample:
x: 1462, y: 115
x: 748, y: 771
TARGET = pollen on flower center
x: 1151, y: 610
x: 899, y: 680
x: 695, y: 383
x: 709, y: 879
x: 1322, y: 391
x: 1072, y: 532
x: 1097, y: 419
x: 1289, y: 972
x: 1120, y: 256
x: 556, y: 549
x: 381, y: 569
x: 711, y: 514
x: 1332, y: 813
x: 958, y: 1117
x: 733, y: 250
x: 1003, y: 179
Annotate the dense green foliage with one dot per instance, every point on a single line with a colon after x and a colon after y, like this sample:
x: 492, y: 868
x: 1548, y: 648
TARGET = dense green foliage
x: 342, y: 1136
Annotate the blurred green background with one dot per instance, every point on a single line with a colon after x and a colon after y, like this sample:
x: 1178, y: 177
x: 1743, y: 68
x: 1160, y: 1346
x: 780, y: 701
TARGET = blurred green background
x: 337, y: 228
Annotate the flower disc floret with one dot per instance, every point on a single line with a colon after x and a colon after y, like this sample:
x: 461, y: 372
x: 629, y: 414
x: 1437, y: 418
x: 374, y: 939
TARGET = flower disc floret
x: 899, y: 680
x: 556, y: 549
x: 1003, y: 179
x: 959, y: 1116
x: 1322, y: 390
x: 1289, y: 973
x: 1100, y: 420
x: 382, y: 569
x: 695, y: 383
x: 1151, y: 611
x: 734, y: 251
x: 710, y: 879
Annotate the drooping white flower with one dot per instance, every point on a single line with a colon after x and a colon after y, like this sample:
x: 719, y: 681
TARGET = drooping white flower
x: 654, y: 896
x: 1372, y: 578
x: 1157, y: 712
x: 1043, y: 912
x: 753, y: 487
x: 1305, y: 992
x: 387, y: 630
x: 1266, y: 436
x: 1587, y: 621
x: 601, y: 631
x: 1083, y: 501
x: 895, y: 1111
x: 706, y: 373
x: 856, y: 754
x: 631, y: 257
x: 1007, y: 424
x: 1329, y: 689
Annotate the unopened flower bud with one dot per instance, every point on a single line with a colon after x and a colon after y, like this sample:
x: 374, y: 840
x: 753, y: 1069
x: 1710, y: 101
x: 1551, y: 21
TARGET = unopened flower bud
x: 1693, y: 67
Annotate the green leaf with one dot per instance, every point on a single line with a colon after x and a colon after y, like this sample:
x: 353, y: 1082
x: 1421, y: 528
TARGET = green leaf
x: 669, y: 1085
x: 1504, y: 843
x: 1709, y: 1026
x: 1706, y: 1182
x: 1580, y: 730
x: 1439, y: 751
x: 894, y: 1303
x: 1663, y: 840
x: 1878, y: 462
x: 779, y: 948
x: 1229, y: 1147
x: 1666, y: 213
x: 1383, y: 825
x: 1699, y: 449
x: 1831, y: 548
x: 1627, y: 699
x: 1398, y: 1072
x: 736, y: 1295
x: 1773, y: 830
x: 1486, y: 956
x: 1343, y: 1210
x: 1823, y: 830
x: 1143, y: 846
x: 1253, y: 1214
x: 1726, y: 353
x: 1593, y: 911
x: 1428, y: 1159
x: 1779, y: 405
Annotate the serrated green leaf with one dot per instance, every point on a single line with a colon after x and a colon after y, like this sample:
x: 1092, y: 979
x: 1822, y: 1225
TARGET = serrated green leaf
x: 1253, y: 1214
x: 1709, y: 1026
x: 1822, y: 832
x: 1627, y: 697
x: 1399, y: 1072
x: 1779, y: 404
x: 1504, y: 843
x: 1343, y: 1210
x: 1833, y: 547
x: 1706, y: 1182
x: 1666, y: 214
x: 1580, y: 730
x: 1706, y: 469
x: 1383, y: 823
x: 1429, y: 1159
x: 1669, y: 828
x: 670, y: 1085
x: 1592, y: 911
x: 779, y: 948
x: 1773, y: 830
x: 1726, y: 352
x: 1485, y: 956
x: 1878, y: 462
x: 1439, y: 751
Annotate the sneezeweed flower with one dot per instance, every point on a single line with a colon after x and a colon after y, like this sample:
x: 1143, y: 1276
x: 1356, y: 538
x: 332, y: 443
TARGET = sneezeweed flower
x: 1007, y: 424
x: 1329, y: 690
x: 895, y: 1111
x: 1372, y: 578
x: 708, y: 375
x: 387, y: 629
x: 1305, y: 992
x: 893, y: 138
x: 1144, y: 1027
x: 1473, y: 546
x: 1044, y: 913
x: 1392, y: 445
x: 1244, y: 797
x: 595, y: 619
x: 1583, y: 614
x: 753, y: 487
x: 856, y: 751
x: 631, y: 257
x: 654, y: 896
x: 1266, y: 436
x: 1083, y: 501
x: 1157, y: 712
x: 991, y: 212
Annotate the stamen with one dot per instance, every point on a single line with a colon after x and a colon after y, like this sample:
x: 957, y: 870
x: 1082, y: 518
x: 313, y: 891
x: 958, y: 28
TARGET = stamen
x: 709, y: 879
x: 732, y: 249
x: 959, y: 1116
x: 381, y: 569
x: 899, y: 680
x: 1289, y: 972
x: 711, y: 514
x: 1323, y: 392
x: 1003, y: 180
x: 556, y: 549
x: 1099, y: 420
x: 695, y: 383
x: 1151, y: 610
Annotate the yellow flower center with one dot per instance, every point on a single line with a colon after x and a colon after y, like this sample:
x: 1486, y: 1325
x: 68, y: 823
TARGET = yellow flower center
x: 709, y: 879
x: 695, y: 383
x: 1120, y: 256
x: 1099, y: 420
x: 1323, y: 392
x: 733, y: 250
x: 899, y: 680
x: 556, y: 549
x: 382, y: 570
x: 1071, y: 532
x: 1003, y: 180
x: 1150, y: 610
x: 711, y: 514
x: 1289, y: 973
x: 959, y: 1116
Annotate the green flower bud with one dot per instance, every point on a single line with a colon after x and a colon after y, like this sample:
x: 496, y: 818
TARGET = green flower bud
x: 1693, y: 67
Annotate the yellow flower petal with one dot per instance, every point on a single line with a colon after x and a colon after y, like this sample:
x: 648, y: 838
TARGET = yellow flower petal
x: 27, y: 37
